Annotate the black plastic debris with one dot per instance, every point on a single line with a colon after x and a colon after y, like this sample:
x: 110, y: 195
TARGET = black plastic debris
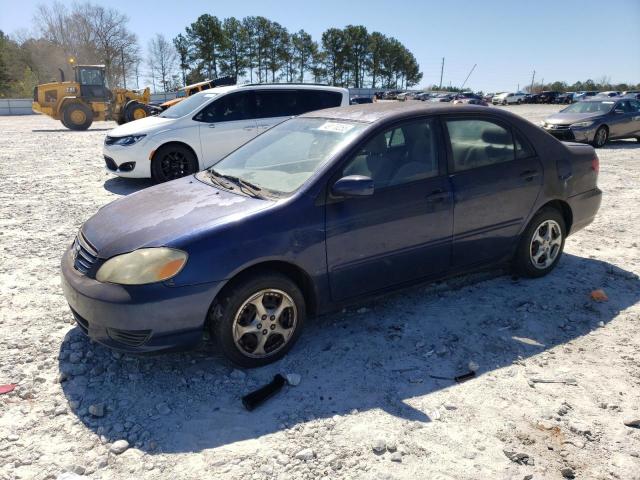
x: 258, y: 397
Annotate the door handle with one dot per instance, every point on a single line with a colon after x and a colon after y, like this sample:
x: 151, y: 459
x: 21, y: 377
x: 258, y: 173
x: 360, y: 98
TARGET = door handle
x: 437, y: 196
x: 248, y: 129
x: 529, y: 175
x: 212, y: 125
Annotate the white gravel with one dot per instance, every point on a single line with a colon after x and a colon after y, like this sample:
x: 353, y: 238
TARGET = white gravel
x: 365, y: 372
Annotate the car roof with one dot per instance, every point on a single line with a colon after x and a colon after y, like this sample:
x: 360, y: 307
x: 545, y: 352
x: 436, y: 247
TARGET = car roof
x: 374, y: 112
x: 276, y: 86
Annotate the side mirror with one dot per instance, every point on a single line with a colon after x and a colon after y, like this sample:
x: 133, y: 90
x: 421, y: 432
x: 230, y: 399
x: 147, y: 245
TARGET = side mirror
x: 353, y: 186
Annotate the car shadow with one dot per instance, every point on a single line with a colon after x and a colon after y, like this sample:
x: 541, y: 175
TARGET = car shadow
x: 126, y: 186
x: 622, y: 144
x: 380, y: 355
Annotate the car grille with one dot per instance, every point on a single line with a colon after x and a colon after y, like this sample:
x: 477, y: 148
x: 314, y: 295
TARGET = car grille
x: 110, y: 163
x: 131, y: 338
x: 85, y: 254
x: 562, y: 132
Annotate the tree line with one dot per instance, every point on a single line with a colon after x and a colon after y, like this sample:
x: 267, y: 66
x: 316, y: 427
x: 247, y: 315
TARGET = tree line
x: 260, y: 50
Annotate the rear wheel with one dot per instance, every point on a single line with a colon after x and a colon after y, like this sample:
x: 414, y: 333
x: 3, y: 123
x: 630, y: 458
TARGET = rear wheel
x: 601, y: 137
x: 541, y: 244
x: 258, y: 320
x: 77, y: 116
x: 135, y: 111
x: 171, y: 162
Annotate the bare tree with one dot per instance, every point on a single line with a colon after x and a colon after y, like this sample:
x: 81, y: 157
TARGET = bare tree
x: 91, y: 34
x: 162, y: 60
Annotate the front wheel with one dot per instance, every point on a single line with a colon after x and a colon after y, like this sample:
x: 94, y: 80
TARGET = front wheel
x: 257, y: 321
x: 601, y: 137
x: 541, y: 244
x: 171, y: 162
x: 77, y: 116
x: 135, y: 110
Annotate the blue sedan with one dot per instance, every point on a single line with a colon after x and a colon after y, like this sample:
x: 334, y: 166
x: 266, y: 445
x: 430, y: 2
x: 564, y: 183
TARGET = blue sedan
x: 322, y: 210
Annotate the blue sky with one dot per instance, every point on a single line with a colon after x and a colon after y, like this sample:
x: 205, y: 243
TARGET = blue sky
x: 562, y: 40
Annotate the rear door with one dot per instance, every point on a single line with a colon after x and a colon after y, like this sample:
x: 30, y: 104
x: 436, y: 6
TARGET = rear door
x: 634, y: 114
x: 496, y: 177
x: 403, y: 231
x: 225, y: 124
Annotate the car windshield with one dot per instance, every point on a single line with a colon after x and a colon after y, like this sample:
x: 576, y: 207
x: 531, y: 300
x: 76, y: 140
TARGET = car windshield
x: 286, y: 156
x: 589, y: 107
x: 188, y: 105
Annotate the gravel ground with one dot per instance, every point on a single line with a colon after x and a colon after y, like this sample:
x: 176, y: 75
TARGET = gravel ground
x: 367, y: 405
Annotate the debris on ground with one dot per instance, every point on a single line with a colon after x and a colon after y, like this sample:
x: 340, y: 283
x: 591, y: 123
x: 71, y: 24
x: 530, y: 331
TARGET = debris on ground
x: 7, y: 388
x: 632, y: 422
x: 519, y: 458
x: 293, y: 379
x: 599, y: 295
x: 259, y: 396
x: 564, y: 381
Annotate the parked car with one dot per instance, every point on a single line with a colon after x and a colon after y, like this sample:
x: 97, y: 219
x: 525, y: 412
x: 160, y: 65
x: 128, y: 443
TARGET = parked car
x: 488, y: 97
x: 203, y: 128
x: 565, y: 98
x: 596, y: 121
x: 361, y: 100
x: 322, y: 210
x: 508, y: 98
x: 423, y: 96
x: 548, y: 97
x: 441, y: 98
x: 632, y: 95
x: 584, y: 95
x: 609, y: 93
x: 531, y: 98
x: 391, y: 94
x: 470, y: 101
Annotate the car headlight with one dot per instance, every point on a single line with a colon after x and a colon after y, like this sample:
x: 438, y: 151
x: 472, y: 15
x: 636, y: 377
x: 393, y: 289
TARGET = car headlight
x: 543, y: 123
x: 146, y: 265
x: 582, y: 124
x: 128, y: 140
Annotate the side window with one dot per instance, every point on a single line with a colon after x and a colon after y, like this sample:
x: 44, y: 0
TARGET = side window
x: 477, y: 143
x: 415, y: 159
x: 310, y: 100
x: 395, y: 137
x: 276, y: 103
x: 635, y: 105
x: 229, y: 108
x: 523, y: 150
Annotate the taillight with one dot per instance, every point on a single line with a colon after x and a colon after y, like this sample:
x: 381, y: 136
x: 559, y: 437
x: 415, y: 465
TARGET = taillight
x: 595, y: 163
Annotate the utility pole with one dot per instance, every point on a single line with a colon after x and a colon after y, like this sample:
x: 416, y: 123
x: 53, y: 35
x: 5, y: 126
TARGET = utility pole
x: 124, y: 78
x: 441, y: 72
x: 465, y: 80
x: 532, y: 79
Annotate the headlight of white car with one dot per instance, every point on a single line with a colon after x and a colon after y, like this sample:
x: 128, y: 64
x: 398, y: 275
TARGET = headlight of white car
x: 128, y: 140
x: 147, y: 265
x: 582, y: 124
x: 543, y: 123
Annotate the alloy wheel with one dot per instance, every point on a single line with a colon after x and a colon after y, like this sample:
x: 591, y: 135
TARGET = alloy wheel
x: 545, y: 244
x: 265, y: 323
x: 175, y: 165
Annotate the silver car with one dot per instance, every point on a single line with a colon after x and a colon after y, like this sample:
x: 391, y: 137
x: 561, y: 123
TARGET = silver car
x: 596, y: 121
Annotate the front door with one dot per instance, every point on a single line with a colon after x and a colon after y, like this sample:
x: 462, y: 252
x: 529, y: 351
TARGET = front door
x: 496, y: 178
x: 225, y: 124
x: 403, y: 231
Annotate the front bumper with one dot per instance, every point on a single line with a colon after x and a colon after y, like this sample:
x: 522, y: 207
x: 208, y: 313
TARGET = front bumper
x: 140, y: 318
x: 572, y: 134
x: 131, y: 162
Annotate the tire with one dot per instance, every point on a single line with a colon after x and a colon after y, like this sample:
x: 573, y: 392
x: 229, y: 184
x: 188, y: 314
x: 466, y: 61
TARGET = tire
x: 77, y: 116
x: 601, y: 137
x: 519, y: 102
x: 135, y: 111
x: 504, y: 102
x: 236, y: 310
x: 530, y: 260
x: 171, y: 162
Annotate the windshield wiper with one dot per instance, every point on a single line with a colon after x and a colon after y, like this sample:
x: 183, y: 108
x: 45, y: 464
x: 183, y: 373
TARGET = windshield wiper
x: 245, y: 185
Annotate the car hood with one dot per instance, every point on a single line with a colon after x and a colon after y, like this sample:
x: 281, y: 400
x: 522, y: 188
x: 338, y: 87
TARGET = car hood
x: 567, y: 118
x: 164, y: 214
x: 142, y: 126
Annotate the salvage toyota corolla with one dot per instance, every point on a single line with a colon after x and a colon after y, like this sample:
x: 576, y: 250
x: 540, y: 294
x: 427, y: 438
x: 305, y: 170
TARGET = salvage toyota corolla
x: 325, y: 209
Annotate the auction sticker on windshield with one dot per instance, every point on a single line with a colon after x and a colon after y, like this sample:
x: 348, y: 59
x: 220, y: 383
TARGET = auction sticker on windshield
x: 336, y: 127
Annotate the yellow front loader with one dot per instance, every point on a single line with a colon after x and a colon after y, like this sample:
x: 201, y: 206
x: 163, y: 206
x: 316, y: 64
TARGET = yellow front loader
x: 78, y: 103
